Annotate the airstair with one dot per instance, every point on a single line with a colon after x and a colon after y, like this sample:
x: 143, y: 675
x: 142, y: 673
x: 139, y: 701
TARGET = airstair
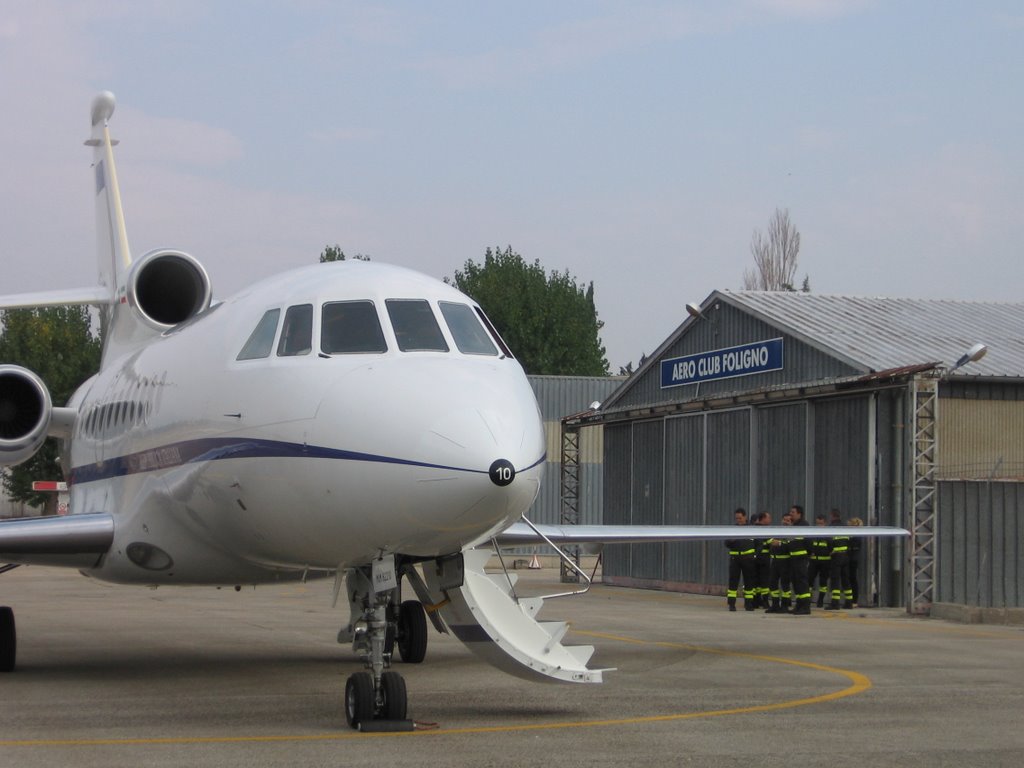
x: 483, y: 611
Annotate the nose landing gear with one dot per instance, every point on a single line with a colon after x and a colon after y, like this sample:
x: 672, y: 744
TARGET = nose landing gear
x: 378, y: 694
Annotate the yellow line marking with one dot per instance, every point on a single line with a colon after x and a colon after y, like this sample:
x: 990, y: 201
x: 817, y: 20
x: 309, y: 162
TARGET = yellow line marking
x: 859, y: 683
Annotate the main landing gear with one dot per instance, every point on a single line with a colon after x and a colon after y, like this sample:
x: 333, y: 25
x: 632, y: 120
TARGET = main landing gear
x: 379, y: 623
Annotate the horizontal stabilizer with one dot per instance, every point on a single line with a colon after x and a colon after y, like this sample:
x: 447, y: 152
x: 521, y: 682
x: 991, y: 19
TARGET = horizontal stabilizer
x: 485, y: 615
x: 72, y: 540
x: 520, y: 533
x: 97, y: 295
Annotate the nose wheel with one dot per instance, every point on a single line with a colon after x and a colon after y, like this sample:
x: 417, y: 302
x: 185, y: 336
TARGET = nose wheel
x: 365, y: 702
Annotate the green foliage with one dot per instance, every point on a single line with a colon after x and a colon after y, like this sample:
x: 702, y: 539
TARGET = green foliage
x: 334, y: 253
x: 549, y: 321
x: 59, y: 345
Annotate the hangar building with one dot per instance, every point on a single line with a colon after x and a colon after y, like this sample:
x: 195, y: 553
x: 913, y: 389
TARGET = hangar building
x: 762, y: 400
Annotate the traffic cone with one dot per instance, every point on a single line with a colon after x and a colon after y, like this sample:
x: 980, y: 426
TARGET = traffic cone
x: 534, y: 563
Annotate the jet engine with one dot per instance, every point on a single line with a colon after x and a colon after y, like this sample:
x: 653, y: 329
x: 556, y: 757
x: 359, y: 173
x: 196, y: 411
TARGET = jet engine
x: 25, y: 412
x: 168, y: 287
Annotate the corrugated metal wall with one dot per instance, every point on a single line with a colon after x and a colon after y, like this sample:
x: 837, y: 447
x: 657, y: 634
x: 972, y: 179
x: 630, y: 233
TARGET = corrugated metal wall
x: 560, y: 396
x: 980, y: 544
x: 981, y: 439
x: 618, y: 491
x: 842, y: 456
x: 698, y: 468
x: 782, y: 456
x: 685, y: 562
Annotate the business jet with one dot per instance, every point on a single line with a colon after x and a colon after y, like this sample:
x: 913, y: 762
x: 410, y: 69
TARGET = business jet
x: 349, y: 420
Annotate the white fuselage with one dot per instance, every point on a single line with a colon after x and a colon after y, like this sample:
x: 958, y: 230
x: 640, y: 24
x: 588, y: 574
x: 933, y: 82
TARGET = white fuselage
x: 227, y: 470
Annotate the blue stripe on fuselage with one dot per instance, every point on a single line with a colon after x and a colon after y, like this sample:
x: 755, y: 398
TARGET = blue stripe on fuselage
x: 217, y: 448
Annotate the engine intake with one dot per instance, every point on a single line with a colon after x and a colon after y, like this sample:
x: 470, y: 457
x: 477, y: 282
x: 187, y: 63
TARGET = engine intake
x: 25, y: 412
x: 168, y: 287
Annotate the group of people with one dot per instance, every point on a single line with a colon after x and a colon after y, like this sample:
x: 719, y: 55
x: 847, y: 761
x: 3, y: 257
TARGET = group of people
x: 779, y: 575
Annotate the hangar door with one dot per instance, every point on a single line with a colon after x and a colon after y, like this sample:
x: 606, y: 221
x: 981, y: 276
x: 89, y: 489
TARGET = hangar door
x: 695, y: 469
x: 688, y: 470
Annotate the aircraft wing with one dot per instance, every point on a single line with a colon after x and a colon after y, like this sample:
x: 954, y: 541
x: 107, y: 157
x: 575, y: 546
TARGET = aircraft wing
x: 96, y: 295
x: 522, y: 533
x: 72, y: 540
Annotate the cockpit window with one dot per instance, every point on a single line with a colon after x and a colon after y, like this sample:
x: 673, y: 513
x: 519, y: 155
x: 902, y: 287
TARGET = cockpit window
x: 350, y: 327
x: 416, y: 328
x: 261, y: 340
x: 470, y: 337
x: 494, y: 333
x: 297, y: 334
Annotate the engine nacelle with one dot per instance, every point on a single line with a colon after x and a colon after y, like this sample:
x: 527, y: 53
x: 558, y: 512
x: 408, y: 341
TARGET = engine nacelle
x: 168, y: 287
x: 25, y: 412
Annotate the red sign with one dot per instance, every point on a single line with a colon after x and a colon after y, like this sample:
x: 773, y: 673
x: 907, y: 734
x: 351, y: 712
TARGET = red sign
x: 49, y: 485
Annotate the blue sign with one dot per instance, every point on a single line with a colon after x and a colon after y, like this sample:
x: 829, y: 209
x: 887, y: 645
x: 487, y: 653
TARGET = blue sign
x: 744, y: 360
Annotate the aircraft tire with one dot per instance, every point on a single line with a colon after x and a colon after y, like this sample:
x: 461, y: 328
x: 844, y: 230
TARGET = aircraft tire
x: 359, y: 698
x: 412, y: 632
x: 392, y: 687
x: 8, y: 640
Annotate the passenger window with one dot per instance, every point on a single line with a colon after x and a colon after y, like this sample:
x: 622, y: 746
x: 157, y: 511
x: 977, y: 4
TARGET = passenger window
x: 416, y: 328
x: 297, y: 334
x: 350, y: 327
x: 470, y: 337
x: 261, y: 340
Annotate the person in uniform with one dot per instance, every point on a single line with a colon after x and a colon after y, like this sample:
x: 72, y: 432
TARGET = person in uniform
x: 819, y: 567
x: 842, y: 593
x: 778, y: 578
x: 762, y: 563
x: 799, y: 556
x: 741, y: 564
x: 855, y: 542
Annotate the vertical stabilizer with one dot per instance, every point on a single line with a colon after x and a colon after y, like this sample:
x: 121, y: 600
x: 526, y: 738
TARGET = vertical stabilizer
x: 114, y: 257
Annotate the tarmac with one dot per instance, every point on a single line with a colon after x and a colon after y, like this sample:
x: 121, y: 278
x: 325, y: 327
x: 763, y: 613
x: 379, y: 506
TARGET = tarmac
x: 128, y: 676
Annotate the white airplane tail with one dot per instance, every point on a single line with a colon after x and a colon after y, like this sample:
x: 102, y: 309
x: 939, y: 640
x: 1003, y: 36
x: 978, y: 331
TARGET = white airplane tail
x: 137, y: 299
x: 159, y: 290
x: 113, y: 254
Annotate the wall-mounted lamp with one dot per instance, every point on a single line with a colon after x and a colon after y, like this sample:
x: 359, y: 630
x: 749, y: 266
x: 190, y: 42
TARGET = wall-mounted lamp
x: 694, y: 311
x: 972, y: 355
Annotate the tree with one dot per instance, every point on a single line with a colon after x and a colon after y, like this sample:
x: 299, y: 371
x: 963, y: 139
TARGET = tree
x: 775, y: 256
x: 549, y: 321
x: 629, y: 370
x: 58, y: 344
x: 334, y: 253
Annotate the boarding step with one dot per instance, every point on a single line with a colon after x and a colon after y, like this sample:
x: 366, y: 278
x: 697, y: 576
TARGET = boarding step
x: 482, y: 611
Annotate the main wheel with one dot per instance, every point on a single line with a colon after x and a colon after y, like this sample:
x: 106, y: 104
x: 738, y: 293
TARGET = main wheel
x: 359, y: 698
x: 8, y: 640
x: 395, y: 700
x: 412, y: 632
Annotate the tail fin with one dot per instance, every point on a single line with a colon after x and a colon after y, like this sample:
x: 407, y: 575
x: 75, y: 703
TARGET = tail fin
x: 137, y: 301
x: 113, y: 254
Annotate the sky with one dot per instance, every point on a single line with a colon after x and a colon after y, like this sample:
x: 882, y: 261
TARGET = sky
x: 637, y: 145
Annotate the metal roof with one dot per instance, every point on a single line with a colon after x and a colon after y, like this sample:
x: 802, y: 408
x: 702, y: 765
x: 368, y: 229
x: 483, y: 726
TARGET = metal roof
x: 876, y: 334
